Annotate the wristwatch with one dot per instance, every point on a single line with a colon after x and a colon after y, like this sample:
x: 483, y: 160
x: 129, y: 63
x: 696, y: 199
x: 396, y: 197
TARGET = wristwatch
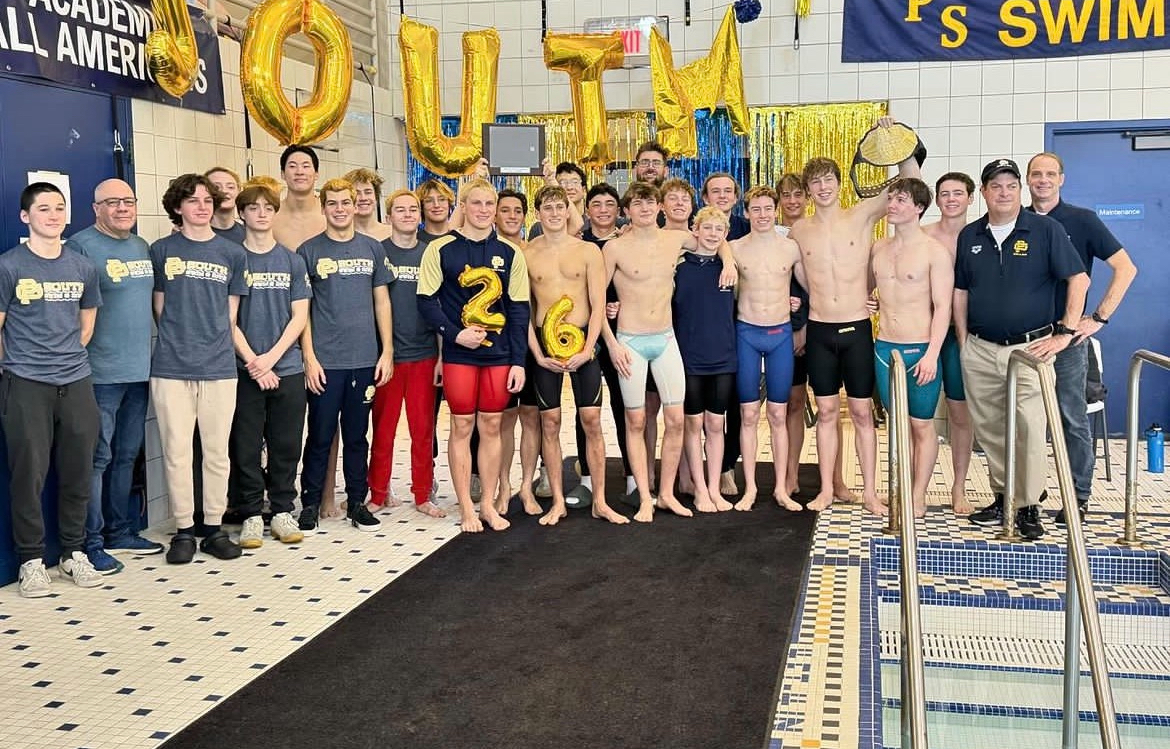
x: 1059, y: 328
x: 1097, y: 318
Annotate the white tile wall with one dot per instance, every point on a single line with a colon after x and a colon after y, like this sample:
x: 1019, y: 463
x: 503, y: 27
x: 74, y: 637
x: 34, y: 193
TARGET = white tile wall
x: 967, y: 112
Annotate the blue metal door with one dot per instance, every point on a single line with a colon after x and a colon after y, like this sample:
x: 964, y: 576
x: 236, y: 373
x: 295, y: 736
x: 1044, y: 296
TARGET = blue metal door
x: 1129, y: 189
x: 46, y: 127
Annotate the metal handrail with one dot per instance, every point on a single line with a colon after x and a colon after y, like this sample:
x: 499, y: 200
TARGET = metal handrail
x: 1141, y: 356
x: 902, y: 515
x: 1079, y: 596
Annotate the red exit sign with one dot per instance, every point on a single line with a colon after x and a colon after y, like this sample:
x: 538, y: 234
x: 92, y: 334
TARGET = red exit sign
x: 635, y: 32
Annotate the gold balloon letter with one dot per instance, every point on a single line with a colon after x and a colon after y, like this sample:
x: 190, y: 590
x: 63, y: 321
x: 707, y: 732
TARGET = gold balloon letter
x: 699, y: 85
x: 445, y: 155
x: 171, y: 53
x: 561, y: 340
x: 269, y: 25
x: 585, y: 57
x: 475, y: 312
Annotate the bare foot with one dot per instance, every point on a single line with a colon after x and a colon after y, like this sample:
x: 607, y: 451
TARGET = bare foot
x: 686, y: 485
x: 844, y: 493
x: 748, y: 501
x: 332, y: 510
x: 875, y: 505
x: 504, y: 498
x: 496, y: 522
x: 602, y: 511
x: 645, y: 513
x: 703, y: 502
x: 469, y: 523
x: 919, y: 508
x: 373, y: 508
x: 528, y: 499
x: 960, y: 505
x: 721, y: 504
x: 787, y: 502
x: 670, y: 503
x: 823, y: 501
x: 727, y: 483
x: 792, y: 487
x: 431, y: 509
x: 553, y: 516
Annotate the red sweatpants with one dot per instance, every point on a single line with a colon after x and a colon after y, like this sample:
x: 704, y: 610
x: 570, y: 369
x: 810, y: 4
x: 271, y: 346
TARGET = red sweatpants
x: 412, y: 382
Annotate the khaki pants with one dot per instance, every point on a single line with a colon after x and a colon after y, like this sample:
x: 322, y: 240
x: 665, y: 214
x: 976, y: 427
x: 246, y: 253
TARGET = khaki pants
x: 985, y: 378
x: 180, y: 406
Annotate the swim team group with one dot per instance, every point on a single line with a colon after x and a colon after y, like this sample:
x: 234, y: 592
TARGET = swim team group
x: 286, y: 316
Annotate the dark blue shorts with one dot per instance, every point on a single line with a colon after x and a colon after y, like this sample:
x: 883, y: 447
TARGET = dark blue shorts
x: 767, y: 347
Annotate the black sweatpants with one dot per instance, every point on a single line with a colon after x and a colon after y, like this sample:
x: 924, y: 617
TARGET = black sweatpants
x: 35, y: 416
x: 275, y: 418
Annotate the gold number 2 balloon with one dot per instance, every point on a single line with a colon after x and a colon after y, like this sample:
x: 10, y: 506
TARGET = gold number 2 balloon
x: 171, y: 52
x: 475, y: 312
x: 561, y: 340
x: 269, y: 25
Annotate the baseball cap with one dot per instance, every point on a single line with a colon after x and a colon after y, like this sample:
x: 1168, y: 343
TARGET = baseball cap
x: 997, y: 167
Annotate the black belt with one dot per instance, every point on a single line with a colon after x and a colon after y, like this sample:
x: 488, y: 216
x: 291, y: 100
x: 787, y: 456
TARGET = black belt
x: 1016, y: 340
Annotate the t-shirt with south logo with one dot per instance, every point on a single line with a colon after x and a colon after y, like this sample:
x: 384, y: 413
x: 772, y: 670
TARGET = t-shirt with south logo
x: 276, y: 279
x: 119, y: 350
x: 414, y: 340
x: 196, y: 278
x: 343, y: 276
x: 41, y: 299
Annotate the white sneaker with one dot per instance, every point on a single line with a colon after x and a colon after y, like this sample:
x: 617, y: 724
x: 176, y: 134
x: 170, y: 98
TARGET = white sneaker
x: 285, y: 529
x: 77, y: 568
x: 34, y: 579
x: 252, y: 534
x: 543, y: 490
x: 476, y: 488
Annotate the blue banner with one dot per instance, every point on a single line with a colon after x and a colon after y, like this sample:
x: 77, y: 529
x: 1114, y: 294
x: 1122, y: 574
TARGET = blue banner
x: 100, y: 45
x: 921, y: 30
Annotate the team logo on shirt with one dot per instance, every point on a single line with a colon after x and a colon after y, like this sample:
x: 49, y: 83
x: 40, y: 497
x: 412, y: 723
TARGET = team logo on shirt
x: 350, y: 266
x: 30, y: 290
x: 976, y: 249
x: 199, y: 269
x: 117, y: 269
x: 406, y: 272
x: 261, y: 281
x: 1020, y: 248
x: 497, y: 263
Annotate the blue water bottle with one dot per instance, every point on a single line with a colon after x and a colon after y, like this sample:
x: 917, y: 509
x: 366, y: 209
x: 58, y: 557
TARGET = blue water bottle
x: 1155, y: 442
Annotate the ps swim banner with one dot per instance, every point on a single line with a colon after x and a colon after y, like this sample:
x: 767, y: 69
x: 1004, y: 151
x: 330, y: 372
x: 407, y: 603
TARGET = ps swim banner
x: 100, y: 45
x: 918, y: 30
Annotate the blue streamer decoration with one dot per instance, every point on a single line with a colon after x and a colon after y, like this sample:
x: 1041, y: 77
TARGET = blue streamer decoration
x: 747, y: 11
x: 720, y: 150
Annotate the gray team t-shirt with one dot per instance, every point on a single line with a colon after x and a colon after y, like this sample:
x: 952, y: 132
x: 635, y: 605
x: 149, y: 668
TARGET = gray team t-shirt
x: 195, y: 331
x: 276, y: 279
x: 236, y: 232
x: 414, y: 340
x: 120, y: 348
x: 343, y: 276
x: 42, y: 300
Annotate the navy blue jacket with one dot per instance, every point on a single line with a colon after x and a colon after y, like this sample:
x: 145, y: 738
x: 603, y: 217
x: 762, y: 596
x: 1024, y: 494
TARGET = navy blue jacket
x: 704, y: 316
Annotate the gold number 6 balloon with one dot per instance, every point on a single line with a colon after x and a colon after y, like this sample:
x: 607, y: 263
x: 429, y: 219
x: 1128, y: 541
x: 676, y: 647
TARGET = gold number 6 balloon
x: 475, y: 312
x: 171, y: 52
x: 561, y: 340
x: 269, y: 25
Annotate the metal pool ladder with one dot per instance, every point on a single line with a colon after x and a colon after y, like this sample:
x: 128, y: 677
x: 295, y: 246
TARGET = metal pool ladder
x: 1141, y: 356
x: 902, y: 523
x: 1080, y: 601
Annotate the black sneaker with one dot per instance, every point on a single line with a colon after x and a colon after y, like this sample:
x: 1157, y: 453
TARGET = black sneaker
x: 307, y: 521
x: 182, y: 549
x: 992, y: 514
x: 1028, y: 522
x: 361, y: 519
x: 1082, y: 505
x: 220, y: 546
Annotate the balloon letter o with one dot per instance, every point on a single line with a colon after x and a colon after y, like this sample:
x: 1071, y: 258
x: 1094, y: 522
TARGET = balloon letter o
x: 269, y: 25
x: 171, y: 52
